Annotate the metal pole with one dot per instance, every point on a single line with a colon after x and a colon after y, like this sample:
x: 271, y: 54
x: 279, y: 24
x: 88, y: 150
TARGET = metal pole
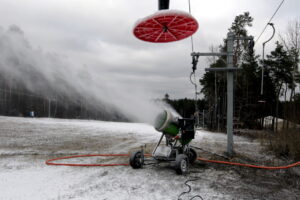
x: 49, y: 108
x: 203, y: 118
x: 262, y: 71
x: 263, y: 59
x: 230, y: 41
x: 196, y: 102
x: 230, y: 69
x: 163, y: 4
x: 162, y: 135
x: 216, y: 100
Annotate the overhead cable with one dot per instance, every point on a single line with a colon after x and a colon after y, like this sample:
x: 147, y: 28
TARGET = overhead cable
x: 270, y: 20
x: 192, y: 41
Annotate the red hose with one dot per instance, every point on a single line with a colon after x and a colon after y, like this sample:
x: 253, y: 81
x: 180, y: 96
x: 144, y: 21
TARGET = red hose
x: 50, y: 162
x: 249, y: 165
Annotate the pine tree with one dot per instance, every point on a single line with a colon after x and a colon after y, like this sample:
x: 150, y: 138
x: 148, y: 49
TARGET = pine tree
x: 279, y: 65
x: 212, y: 80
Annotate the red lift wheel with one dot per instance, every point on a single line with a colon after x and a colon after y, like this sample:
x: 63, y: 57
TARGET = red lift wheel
x: 165, y: 26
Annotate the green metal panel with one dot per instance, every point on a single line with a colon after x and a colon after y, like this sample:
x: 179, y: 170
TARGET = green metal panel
x: 171, y: 129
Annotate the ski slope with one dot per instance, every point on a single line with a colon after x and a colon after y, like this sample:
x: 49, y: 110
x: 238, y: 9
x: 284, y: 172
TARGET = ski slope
x: 25, y: 144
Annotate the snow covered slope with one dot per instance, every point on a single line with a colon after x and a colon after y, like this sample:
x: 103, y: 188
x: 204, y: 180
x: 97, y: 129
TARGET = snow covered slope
x: 26, y: 143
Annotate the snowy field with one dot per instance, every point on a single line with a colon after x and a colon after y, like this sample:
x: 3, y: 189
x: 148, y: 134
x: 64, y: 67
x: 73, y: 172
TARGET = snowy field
x: 26, y: 143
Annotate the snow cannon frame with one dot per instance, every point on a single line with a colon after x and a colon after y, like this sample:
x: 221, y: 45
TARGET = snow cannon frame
x: 178, y: 133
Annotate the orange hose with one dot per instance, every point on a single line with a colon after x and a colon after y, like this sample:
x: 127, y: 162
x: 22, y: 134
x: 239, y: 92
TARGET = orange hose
x: 249, y: 165
x: 50, y: 162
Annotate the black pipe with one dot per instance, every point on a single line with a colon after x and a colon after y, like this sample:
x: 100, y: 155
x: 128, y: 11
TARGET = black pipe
x: 163, y: 4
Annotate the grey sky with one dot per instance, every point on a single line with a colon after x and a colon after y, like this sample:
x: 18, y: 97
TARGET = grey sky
x: 98, y: 34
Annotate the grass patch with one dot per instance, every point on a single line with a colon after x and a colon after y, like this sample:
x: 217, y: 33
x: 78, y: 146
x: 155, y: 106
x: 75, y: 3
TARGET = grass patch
x: 286, y: 143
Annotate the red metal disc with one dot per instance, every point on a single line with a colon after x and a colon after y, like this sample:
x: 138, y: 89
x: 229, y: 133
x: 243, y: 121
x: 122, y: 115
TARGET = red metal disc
x: 165, y: 26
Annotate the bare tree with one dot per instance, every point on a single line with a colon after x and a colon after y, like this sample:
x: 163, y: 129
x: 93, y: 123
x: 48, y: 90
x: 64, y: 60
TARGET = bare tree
x: 212, y: 59
x: 291, y: 41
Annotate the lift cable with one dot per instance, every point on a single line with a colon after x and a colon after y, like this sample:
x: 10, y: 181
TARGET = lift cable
x: 270, y: 20
x: 194, y: 63
x: 192, y: 40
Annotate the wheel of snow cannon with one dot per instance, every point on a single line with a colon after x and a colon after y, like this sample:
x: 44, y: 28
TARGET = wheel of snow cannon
x: 182, y: 164
x: 192, y: 155
x: 136, y: 160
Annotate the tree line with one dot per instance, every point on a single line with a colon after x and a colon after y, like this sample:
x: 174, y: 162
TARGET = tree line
x: 18, y: 100
x: 251, y: 108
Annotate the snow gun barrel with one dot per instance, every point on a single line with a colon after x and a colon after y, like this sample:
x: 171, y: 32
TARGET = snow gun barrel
x: 183, y: 128
x: 167, y: 123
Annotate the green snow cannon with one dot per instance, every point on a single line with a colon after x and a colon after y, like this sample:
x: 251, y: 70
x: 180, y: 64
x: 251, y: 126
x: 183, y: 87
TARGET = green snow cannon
x: 168, y: 124
x: 165, y: 122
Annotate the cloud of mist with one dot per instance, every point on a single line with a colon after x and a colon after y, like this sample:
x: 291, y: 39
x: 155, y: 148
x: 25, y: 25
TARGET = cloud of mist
x: 37, y: 69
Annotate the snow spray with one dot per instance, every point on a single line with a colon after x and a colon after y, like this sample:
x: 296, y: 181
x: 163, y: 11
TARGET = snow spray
x: 37, y: 70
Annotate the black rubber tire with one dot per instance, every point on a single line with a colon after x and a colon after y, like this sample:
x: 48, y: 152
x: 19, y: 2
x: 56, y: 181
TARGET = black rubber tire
x: 192, y: 156
x: 182, y: 164
x: 136, y: 160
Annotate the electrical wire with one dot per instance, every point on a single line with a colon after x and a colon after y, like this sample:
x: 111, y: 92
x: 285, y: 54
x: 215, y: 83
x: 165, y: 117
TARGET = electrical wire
x: 192, y: 73
x: 270, y: 20
x: 212, y: 153
x: 189, y: 189
x: 196, y: 89
x: 189, y: 6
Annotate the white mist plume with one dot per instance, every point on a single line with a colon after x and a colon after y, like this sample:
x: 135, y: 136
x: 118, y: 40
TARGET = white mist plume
x: 37, y: 70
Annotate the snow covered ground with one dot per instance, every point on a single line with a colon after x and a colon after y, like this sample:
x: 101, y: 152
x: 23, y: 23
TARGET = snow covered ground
x: 26, y: 143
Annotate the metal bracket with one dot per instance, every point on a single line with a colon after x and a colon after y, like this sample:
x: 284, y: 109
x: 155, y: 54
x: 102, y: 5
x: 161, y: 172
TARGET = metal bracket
x: 244, y: 38
x: 222, y: 69
x: 211, y: 54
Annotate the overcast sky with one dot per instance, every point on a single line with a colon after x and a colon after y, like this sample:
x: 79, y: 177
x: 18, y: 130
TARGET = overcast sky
x: 98, y: 34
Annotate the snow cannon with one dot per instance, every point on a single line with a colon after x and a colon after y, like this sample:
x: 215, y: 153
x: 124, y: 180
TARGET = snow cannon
x: 165, y: 25
x: 176, y: 150
x: 181, y: 129
x: 167, y: 123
